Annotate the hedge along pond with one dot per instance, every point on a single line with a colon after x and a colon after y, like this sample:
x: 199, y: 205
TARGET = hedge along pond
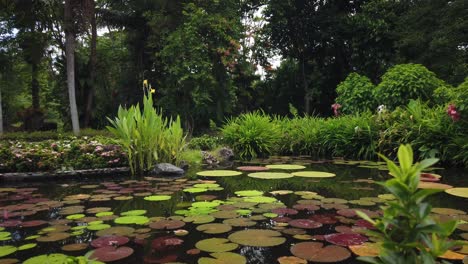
x: 252, y: 213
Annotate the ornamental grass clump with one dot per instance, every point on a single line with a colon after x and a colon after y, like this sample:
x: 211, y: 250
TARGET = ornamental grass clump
x: 146, y: 136
x: 407, y: 232
x: 252, y: 135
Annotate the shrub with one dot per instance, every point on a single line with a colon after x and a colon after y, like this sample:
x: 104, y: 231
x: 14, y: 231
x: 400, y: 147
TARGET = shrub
x: 404, y: 82
x: 147, y: 136
x: 252, y: 135
x: 352, y: 136
x: 406, y: 230
x: 356, y: 94
x: 205, y: 142
x: 458, y: 96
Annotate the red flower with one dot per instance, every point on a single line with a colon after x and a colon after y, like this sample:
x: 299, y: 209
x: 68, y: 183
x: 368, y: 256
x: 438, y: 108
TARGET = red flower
x: 453, y: 113
x: 336, y: 107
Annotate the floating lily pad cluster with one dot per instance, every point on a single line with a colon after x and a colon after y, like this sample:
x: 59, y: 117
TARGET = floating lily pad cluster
x: 111, y: 221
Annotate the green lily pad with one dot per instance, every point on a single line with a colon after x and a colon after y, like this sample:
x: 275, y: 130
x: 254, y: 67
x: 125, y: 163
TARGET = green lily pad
x: 219, y: 173
x: 244, y: 212
x: 211, y: 204
x: 199, y: 219
x: 270, y: 175
x: 27, y: 246
x: 157, y: 198
x: 270, y: 215
x: 98, y: 227
x: 195, y: 190
x: 7, y: 250
x: 285, y: 166
x: 215, y: 245
x: 313, y: 174
x: 257, y: 238
x: 49, y: 259
x: 260, y: 199
x: 223, y: 258
x: 133, y: 213
x: 249, y: 193
x: 460, y: 192
x: 132, y: 219
x: 101, y: 214
x: 215, y: 228
x: 75, y: 216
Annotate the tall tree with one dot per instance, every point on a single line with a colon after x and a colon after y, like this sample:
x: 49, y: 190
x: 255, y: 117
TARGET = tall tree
x: 30, y: 17
x: 70, y: 56
x: 90, y: 13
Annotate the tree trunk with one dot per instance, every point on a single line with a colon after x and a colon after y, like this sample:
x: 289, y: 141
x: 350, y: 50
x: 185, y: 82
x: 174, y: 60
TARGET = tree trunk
x: 70, y: 56
x: 306, y: 87
x: 34, y: 85
x: 92, y: 66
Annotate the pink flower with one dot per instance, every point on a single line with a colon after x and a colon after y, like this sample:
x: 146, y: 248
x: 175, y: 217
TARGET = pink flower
x: 336, y: 107
x: 453, y: 113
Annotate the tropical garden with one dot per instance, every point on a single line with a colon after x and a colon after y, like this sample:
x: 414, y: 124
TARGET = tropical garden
x: 233, y: 131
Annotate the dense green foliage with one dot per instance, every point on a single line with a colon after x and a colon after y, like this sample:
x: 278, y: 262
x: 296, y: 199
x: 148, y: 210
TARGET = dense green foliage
x: 252, y: 135
x: 406, y: 230
x: 404, y: 82
x: 356, y: 94
x: 204, y: 142
x: 212, y: 59
x: 147, y: 136
x: 429, y: 129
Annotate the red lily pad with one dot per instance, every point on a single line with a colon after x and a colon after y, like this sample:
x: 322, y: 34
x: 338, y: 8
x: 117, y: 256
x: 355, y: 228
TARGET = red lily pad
x: 284, y: 211
x: 166, y: 243
x: 34, y: 223
x: 282, y: 219
x: 105, y: 241
x: 167, y: 224
x: 305, y: 223
x: 428, y: 177
x: 10, y: 223
x: 352, y: 212
x: 326, y: 219
x: 363, y: 223
x: 344, y: 230
x: 110, y: 253
x: 316, y: 252
x: 342, y: 239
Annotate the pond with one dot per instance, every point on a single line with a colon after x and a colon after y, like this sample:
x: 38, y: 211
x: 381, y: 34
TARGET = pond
x: 200, y: 219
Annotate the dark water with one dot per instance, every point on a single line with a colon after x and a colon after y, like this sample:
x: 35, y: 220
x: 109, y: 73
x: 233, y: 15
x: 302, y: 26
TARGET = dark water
x: 351, y: 183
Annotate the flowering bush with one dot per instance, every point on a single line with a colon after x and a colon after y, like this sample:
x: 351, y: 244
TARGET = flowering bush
x: 50, y: 155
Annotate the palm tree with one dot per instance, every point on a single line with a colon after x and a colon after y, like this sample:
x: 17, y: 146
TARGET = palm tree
x: 70, y: 56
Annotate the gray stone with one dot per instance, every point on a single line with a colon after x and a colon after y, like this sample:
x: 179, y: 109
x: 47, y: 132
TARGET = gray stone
x: 167, y: 169
x: 226, y: 154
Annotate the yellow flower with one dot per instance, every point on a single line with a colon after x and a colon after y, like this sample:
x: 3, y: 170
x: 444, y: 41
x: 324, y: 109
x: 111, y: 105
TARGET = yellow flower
x: 152, y: 90
x: 145, y: 83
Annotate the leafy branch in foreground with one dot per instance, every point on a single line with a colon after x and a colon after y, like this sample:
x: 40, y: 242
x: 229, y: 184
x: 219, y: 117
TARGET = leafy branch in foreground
x: 406, y: 230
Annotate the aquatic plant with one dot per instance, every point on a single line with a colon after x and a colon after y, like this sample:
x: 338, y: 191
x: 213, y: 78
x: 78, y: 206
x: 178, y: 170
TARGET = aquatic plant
x: 147, y: 136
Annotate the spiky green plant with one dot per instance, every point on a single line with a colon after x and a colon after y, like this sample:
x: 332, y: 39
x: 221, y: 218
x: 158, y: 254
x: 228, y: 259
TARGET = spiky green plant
x: 146, y: 136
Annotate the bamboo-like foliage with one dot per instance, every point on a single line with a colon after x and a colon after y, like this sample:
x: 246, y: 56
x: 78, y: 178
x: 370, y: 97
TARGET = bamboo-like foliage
x: 147, y: 136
